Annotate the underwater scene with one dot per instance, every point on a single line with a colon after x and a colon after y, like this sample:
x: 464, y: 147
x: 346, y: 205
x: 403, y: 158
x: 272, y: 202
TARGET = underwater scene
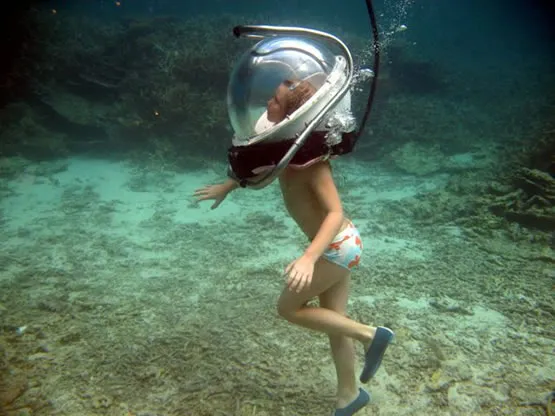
x: 277, y: 208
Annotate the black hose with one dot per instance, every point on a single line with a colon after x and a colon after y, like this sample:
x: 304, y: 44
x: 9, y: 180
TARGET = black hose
x: 375, y: 68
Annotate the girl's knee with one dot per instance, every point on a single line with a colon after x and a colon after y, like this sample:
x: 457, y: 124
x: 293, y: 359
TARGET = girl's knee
x: 288, y: 310
x: 282, y: 310
x: 285, y: 312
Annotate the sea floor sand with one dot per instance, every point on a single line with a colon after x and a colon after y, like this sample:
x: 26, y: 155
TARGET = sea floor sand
x: 119, y: 295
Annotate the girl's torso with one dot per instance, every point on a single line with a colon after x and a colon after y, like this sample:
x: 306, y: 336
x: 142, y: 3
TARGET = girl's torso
x: 301, y: 202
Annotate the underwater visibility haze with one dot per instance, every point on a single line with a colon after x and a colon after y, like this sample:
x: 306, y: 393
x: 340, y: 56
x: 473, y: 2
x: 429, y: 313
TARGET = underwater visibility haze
x: 123, y: 294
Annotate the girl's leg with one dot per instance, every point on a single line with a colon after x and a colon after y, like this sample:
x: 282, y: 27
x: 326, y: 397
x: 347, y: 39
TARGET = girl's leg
x: 342, y: 348
x: 292, y: 306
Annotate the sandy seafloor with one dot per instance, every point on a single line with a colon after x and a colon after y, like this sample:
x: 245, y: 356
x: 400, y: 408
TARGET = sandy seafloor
x: 121, y: 296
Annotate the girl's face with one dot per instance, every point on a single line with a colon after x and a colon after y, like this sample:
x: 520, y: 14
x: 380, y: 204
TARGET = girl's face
x: 276, y: 106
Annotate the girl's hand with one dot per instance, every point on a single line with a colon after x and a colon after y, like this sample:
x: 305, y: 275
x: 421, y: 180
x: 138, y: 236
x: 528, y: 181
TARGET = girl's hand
x: 216, y: 192
x: 299, y: 273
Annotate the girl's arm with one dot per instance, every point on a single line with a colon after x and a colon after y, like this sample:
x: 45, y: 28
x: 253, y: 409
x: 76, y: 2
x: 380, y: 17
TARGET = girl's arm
x: 216, y: 192
x: 230, y: 184
x: 323, y: 186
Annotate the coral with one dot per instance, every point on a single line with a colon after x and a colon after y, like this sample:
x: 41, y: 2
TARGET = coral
x: 532, y: 203
x: 528, y: 197
x: 25, y: 133
x: 76, y: 108
x: 538, y: 185
x: 11, y: 167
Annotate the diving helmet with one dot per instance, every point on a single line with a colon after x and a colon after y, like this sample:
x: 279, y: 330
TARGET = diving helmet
x: 260, y: 72
x: 320, y: 127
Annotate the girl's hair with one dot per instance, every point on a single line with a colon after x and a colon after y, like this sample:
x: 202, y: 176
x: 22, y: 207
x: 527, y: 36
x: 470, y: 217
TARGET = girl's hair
x: 299, y: 93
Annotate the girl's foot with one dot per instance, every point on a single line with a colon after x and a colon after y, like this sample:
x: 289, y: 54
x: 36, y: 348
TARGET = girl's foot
x: 344, y: 398
x: 370, y: 336
x: 359, y: 400
x: 375, y: 351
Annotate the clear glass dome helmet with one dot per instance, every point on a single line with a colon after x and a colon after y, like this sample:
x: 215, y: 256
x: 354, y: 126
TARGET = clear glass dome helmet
x: 266, y: 65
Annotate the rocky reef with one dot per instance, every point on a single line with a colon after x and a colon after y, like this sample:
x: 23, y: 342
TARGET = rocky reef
x: 86, y: 84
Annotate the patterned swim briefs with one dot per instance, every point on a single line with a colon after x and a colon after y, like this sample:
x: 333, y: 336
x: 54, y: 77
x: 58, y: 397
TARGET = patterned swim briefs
x: 346, y: 248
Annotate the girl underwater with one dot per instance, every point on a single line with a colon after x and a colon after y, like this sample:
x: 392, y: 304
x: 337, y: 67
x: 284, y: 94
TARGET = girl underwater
x: 324, y: 269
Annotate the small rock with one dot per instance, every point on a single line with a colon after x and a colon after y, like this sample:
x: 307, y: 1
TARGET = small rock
x: 15, y: 388
x: 99, y: 402
x: 464, y: 404
x: 40, y: 356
